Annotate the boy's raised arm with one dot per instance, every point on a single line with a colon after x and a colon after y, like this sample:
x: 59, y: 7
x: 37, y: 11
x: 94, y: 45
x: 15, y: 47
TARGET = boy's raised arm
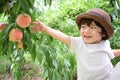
x: 116, y: 52
x: 39, y: 26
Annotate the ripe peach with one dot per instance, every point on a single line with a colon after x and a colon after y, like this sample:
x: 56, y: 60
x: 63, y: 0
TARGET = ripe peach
x: 23, y: 20
x: 15, y: 35
x: 20, y: 44
x: 2, y: 25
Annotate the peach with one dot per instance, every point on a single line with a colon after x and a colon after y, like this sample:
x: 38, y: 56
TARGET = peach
x: 23, y: 20
x: 20, y: 44
x: 2, y: 25
x: 15, y: 35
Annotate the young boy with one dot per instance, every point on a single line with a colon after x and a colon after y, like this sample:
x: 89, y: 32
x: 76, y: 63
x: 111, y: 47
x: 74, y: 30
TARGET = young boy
x: 92, y: 49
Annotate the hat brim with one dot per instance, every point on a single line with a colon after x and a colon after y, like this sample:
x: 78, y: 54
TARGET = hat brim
x: 97, y: 18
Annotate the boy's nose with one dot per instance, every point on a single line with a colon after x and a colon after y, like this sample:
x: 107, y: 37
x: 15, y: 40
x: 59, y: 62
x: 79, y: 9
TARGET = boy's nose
x: 87, y: 30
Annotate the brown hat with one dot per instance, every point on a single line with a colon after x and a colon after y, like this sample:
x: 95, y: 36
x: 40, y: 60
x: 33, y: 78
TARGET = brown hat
x: 100, y: 16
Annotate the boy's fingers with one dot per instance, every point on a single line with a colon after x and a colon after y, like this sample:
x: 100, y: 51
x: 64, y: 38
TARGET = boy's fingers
x: 36, y: 22
x: 34, y: 29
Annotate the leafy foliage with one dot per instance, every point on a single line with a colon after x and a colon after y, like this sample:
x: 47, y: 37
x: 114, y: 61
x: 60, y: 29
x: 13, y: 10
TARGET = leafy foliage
x: 11, y: 9
x: 56, y: 61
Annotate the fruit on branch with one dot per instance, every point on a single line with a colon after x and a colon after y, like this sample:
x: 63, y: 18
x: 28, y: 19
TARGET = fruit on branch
x: 23, y: 20
x: 15, y: 35
x: 20, y: 44
x: 2, y: 25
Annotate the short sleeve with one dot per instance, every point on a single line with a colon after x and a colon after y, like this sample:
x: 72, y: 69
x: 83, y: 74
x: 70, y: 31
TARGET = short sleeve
x: 110, y: 54
x: 75, y: 43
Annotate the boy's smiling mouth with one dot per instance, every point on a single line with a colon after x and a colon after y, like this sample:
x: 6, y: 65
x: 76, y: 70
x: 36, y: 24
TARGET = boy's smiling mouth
x: 87, y: 36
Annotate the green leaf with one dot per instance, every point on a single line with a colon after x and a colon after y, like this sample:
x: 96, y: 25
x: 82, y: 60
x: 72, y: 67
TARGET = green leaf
x: 24, y: 6
x: 33, y: 52
x: 48, y: 58
x: 55, y: 64
x: 31, y: 3
x: 4, y: 33
x: 39, y: 54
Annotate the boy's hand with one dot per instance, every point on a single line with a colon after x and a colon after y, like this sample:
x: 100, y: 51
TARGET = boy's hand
x: 38, y: 26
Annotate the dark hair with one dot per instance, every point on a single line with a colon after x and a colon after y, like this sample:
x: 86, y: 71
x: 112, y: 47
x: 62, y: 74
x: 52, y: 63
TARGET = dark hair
x: 89, y: 21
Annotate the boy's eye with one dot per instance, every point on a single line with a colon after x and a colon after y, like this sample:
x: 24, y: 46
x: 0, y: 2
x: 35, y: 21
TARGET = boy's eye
x: 92, y: 27
x: 82, y: 26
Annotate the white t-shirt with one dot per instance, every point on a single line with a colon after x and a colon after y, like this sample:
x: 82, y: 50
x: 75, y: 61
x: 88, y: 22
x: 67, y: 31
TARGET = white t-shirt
x: 93, y: 60
x: 115, y: 75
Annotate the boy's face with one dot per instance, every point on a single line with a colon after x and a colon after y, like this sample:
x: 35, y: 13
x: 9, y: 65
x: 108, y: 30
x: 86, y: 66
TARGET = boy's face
x: 91, y: 34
